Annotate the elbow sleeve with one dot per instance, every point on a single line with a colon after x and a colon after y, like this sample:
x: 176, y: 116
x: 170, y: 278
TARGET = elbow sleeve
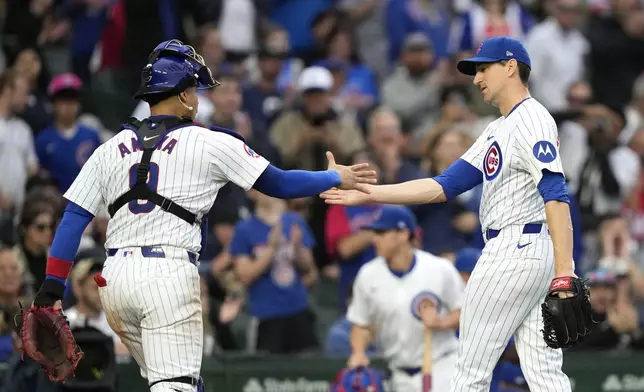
x: 553, y: 187
x: 293, y: 184
x: 459, y: 177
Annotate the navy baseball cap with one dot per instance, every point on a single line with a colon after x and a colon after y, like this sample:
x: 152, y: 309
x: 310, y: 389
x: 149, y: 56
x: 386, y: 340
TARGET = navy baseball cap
x: 394, y: 218
x: 493, y: 50
x: 466, y: 259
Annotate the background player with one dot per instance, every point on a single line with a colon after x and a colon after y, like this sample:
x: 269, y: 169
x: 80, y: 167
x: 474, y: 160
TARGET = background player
x: 400, y: 293
x: 517, y: 159
x: 149, y: 286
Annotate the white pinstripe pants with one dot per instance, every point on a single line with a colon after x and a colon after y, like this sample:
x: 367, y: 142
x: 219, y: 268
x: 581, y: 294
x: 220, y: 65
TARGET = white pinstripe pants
x: 503, y: 298
x: 154, y: 305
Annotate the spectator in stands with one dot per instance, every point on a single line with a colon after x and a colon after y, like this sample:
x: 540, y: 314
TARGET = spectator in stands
x: 65, y: 146
x: 227, y: 101
x: 425, y: 16
x: 492, y: 18
x: 601, y: 173
x: 368, y: 17
x: 447, y: 227
x: 10, y: 285
x: 308, y: 25
x: 264, y: 99
x: 338, y: 343
x: 34, y: 106
x: 552, y: 73
x: 413, y: 89
x: 387, y: 141
x: 465, y: 261
x: 347, y: 243
x: 616, y: 52
x: 209, y: 47
x: 87, y: 21
x: 272, y: 257
x: 24, y: 24
x: 621, y: 324
x: 35, y: 234
x: 18, y: 158
x: 634, y: 111
x: 304, y: 134
x: 356, y: 84
x: 88, y: 310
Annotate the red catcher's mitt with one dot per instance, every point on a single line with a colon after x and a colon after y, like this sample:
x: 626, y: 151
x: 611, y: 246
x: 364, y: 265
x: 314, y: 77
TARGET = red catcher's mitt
x: 47, y: 339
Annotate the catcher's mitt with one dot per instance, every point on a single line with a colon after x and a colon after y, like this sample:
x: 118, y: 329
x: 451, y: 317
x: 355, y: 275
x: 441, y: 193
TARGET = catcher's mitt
x: 47, y: 339
x: 566, y: 319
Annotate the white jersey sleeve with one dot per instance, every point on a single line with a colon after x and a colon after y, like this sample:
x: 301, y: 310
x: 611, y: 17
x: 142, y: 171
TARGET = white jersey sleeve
x: 87, y: 191
x: 359, y: 312
x: 474, y: 155
x: 537, y: 143
x: 233, y: 160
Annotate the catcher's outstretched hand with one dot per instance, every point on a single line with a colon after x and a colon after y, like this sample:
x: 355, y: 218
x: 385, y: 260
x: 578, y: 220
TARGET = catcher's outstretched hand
x: 344, y: 197
x: 567, y: 313
x: 355, y: 176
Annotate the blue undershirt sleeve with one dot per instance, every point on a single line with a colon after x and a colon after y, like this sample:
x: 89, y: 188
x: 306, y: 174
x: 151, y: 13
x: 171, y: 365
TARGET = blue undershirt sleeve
x: 553, y: 187
x: 68, y: 234
x: 459, y: 177
x: 293, y: 184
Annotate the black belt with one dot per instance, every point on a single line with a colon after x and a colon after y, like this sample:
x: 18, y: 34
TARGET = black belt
x: 149, y: 251
x: 530, y: 228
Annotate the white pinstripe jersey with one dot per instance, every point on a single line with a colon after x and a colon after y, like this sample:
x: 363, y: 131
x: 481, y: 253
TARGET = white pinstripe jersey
x: 511, y: 154
x: 189, y: 167
x: 392, y: 305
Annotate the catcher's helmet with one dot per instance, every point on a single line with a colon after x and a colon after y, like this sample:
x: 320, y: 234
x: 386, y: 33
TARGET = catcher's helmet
x: 174, y: 67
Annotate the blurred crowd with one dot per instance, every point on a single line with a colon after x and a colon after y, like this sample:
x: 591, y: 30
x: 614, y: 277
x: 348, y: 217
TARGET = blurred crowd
x: 369, y: 80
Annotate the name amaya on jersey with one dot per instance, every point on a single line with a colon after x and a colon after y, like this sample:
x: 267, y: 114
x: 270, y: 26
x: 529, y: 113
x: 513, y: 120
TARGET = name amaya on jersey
x: 189, y: 167
x: 512, y: 153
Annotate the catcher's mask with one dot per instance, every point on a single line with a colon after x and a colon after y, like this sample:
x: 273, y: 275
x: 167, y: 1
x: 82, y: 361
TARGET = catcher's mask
x: 173, y: 67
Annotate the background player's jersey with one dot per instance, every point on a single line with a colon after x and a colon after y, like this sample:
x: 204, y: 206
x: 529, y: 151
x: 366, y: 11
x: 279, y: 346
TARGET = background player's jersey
x: 391, y: 304
x: 189, y: 167
x: 511, y: 154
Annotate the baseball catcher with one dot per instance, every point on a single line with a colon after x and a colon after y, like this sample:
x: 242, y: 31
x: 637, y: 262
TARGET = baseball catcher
x: 567, y: 314
x: 47, y: 338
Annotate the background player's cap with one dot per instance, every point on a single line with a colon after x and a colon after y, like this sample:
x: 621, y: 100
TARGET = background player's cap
x: 394, y: 218
x: 494, y: 50
x: 466, y: 259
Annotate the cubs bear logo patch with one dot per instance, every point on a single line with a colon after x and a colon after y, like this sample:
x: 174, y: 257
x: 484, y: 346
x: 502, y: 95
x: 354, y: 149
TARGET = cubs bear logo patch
x: 492, y: 162
x: 425, y: 298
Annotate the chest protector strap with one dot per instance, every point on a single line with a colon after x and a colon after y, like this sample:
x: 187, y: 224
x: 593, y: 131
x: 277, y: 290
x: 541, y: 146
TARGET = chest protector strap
x: 150, y: 136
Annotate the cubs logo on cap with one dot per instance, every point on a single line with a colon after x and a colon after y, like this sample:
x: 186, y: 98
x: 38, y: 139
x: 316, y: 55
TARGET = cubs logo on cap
x: 492, y: 162
x: 493, y: 50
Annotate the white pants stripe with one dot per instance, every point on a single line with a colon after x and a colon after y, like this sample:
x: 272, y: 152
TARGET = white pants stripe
x: 503, y: 298
x: 154, y: 305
